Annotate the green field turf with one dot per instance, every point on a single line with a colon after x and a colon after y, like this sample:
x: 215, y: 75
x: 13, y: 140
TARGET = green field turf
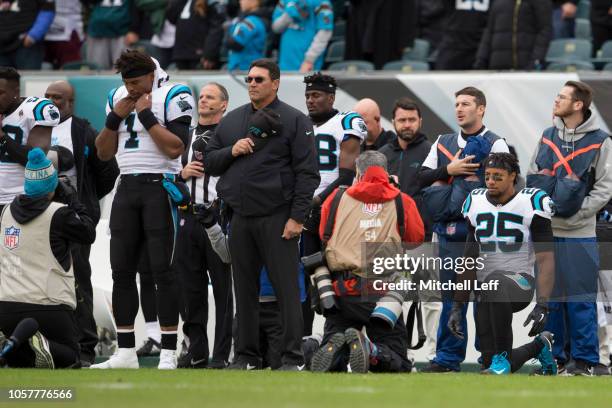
x: 198, y: 388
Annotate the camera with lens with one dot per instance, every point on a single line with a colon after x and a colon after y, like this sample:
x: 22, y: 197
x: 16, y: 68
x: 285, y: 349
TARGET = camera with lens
x: 388, y: 309
x: 205, y: 214
x: 316, y: 266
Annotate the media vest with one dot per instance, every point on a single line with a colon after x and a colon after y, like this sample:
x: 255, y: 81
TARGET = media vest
x: 29, y: 272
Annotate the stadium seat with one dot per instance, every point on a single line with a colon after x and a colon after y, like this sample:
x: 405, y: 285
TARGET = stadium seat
x: 351, y: 66
x: 583, y: 29
x: 80, y: 66
x: 584, y: 9
x: 339, y: 30
x: 418, y: 52
x: 406, y: 66
x: 335, y: 52
x: 563, y: 50
x: 604, y: 55
x: 146, y: 47
x: 570, y: 66
x: 608, y: 67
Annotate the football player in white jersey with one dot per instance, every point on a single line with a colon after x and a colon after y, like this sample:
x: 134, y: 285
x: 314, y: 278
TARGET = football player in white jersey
x: 26, y: 123
x: 147, y: 128
x: 507, y: 229
x: 338, y: 136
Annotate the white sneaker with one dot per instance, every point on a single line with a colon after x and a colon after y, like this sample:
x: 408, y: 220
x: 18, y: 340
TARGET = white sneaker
x: 123, y: 358
x: 167, y: 360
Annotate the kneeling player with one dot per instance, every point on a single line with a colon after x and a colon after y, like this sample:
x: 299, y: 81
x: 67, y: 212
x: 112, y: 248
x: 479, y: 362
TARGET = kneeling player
x: 506, y: 227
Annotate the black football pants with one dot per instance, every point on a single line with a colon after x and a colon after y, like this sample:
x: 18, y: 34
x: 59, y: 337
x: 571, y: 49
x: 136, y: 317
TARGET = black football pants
x: 494, y: 318
x: 142, y: 214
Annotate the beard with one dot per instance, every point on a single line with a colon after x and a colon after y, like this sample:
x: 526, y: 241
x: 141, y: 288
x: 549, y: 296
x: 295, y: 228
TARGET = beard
x: 406, y: 135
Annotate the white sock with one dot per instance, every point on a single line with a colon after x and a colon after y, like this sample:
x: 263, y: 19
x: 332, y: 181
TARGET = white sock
x: 153, y: 331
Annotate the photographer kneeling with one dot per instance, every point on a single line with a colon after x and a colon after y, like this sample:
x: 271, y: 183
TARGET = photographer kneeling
x: 37, y: 291
x: 368, y: 211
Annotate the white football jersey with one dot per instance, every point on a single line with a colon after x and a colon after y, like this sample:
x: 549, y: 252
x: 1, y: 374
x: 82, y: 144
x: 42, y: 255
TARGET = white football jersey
x: 136, y: 151
x: 328, y: 138
x: 33, y: 111
x: 503, y: 231
x: 61, y: 135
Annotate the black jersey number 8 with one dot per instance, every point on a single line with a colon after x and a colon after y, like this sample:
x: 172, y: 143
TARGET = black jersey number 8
x: 326, y: 152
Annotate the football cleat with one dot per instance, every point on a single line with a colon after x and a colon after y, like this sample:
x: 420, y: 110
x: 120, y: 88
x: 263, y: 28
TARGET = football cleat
x: 42, y: 352
x: 359, y: 349
x: 499, y: 366
x: 149, y: 348
x: 167, y: 360
x: 123, y: 358
x: 327, y: 356
x: 545, y: 357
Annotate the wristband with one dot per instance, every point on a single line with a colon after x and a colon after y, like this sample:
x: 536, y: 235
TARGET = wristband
x: 147, y: 118
x: 113, y: 121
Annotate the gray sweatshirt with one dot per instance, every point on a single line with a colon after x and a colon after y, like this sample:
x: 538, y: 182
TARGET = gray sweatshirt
x: 582, y: 224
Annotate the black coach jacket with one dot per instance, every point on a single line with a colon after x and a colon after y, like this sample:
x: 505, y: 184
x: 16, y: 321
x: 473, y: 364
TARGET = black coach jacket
x: 284, y: 173
x: 95, y: 178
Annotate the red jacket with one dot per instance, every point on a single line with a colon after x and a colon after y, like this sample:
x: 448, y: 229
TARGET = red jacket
x: 374, y: 187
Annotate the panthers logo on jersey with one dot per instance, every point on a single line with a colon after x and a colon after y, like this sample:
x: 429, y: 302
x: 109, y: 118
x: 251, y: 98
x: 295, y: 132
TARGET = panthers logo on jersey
x: 137, y: 152
x: 32, y: 112
x: 328, y: 139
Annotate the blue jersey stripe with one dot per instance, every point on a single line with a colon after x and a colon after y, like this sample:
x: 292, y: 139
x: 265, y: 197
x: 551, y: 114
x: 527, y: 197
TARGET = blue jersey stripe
x: 38, y: 109
x: 111, y: 96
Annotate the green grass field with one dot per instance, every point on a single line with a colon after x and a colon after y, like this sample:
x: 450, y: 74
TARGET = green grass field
x: 149, y: 388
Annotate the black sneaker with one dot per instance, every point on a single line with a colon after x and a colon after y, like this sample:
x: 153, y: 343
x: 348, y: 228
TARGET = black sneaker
x: 326, y: 357
x: 243, y: 364
x: 149, y: 348
x: 601, y: 369
x: 291, y: 367
x: 189, y: 361
x: 436, y: 368
x: 359, y: 357
x: 217, y: 364
x: 580, y: 368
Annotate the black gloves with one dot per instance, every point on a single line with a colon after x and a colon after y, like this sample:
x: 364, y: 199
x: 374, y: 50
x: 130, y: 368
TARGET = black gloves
x: 538, y: 315
x: 207, y: 216
x: 200, y: 142
x: 454, y: 320
x: 65, y: 193
x: 264, y: 123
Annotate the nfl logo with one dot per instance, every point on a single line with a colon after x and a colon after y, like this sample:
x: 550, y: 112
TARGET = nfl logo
x: 451, y: 229
x: 372, y: 208
x: 11, y: 238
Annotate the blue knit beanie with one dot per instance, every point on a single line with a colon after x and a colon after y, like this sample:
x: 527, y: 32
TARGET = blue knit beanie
x: 40, y: 175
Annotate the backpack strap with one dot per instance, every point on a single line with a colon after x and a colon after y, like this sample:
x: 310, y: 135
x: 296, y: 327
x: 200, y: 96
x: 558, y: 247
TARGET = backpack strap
x: 415, y: 311
x: 331, y: 218
x: 399, y: 209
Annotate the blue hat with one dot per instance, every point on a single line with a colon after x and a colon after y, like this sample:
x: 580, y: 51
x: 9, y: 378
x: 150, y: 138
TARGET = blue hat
x: 40, y: 175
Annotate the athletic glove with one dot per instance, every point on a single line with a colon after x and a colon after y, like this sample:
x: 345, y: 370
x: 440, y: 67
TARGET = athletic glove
x: 65, y: 193
x: 454, y: 320
x: 538, y: 315
x: 200, y: 142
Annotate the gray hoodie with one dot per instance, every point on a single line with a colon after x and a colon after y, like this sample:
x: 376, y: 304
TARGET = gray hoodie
x: 582, y: 224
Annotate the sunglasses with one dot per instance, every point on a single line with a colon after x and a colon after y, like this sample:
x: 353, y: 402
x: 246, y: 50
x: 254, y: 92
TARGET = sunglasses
x: 257, y: 80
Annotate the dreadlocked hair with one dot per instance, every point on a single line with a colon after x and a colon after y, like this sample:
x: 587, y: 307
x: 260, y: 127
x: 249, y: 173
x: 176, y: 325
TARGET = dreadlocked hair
x: 321, y: 78
x: 504, y: 161
x: 134, y: 60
